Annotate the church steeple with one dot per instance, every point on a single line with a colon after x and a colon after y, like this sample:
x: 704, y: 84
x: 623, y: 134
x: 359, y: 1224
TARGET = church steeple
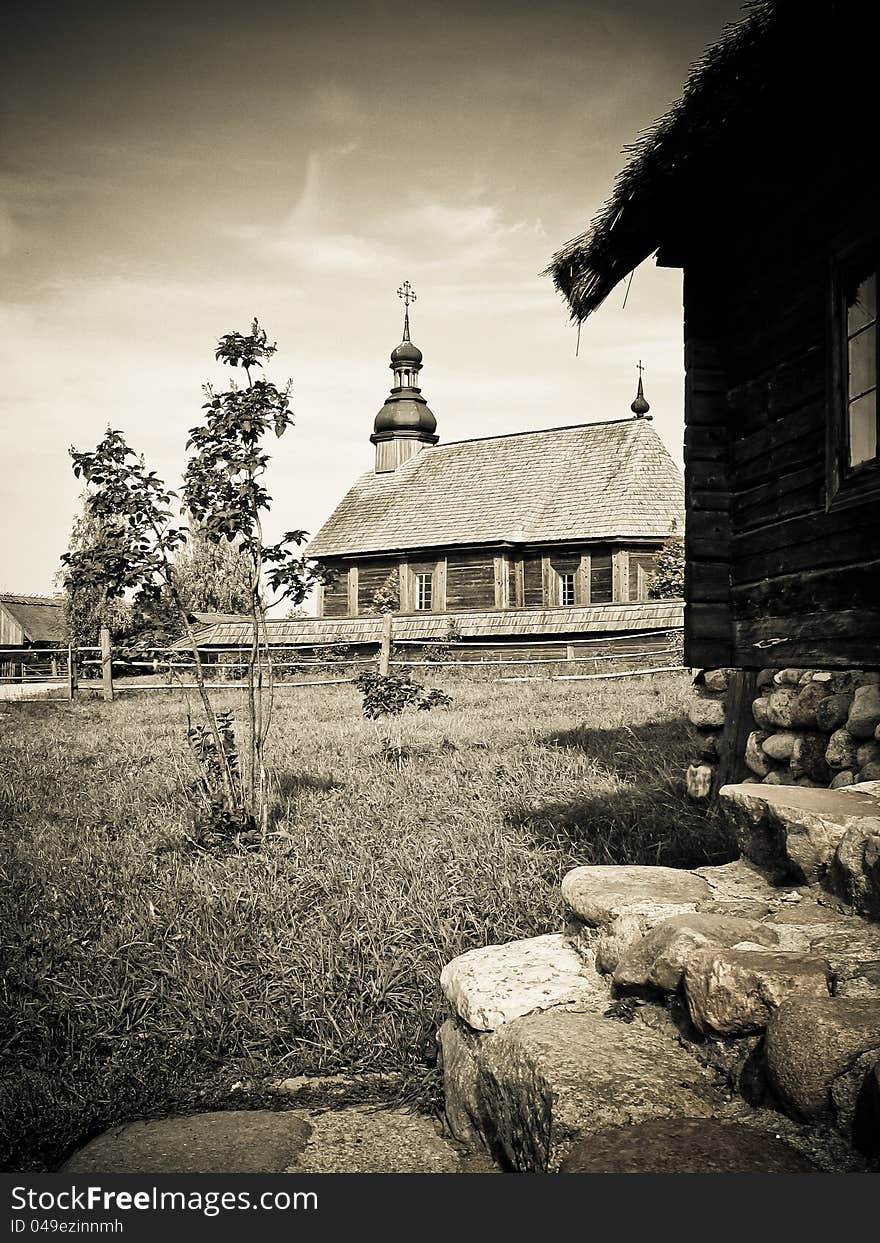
x: 404, y: 425
x: 640, y: 406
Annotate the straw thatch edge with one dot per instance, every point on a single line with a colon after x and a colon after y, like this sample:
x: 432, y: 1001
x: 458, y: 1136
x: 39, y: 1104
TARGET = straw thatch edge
x: 629, y: 227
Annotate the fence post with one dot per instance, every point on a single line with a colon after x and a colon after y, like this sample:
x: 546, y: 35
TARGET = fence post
x: 106, y: 664
x: 385, y: 648
x: 71, y: 682
x: 569, y: 652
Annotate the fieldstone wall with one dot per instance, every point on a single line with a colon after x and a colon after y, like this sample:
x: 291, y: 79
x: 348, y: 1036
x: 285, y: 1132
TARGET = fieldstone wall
x: 809, y: 727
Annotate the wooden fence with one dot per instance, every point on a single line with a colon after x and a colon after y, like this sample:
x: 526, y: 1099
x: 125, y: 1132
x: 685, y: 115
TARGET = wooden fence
x: 110, y: 671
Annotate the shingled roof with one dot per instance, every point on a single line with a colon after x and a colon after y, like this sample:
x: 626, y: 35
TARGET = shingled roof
x: 594, y: 481
x: 40, y: 617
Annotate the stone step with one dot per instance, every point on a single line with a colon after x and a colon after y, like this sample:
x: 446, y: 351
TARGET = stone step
x: 493, y: 984
x: 530, y: 1090
x: 827, y: 838
x: 654, y: 1005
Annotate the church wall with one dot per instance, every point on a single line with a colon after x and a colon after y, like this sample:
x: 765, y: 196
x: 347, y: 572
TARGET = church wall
x: 481, y: 579
x: 600, y: 578
x: 646, y: 563
x: 372, y: 576
x: 470, y: 581
x: 335, y: 595
x: 533, y: 582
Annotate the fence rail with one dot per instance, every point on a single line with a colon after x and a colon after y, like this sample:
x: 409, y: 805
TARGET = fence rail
x: 110, y: 671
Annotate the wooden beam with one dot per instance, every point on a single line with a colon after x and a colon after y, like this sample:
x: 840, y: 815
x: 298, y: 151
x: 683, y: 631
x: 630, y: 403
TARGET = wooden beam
x: 620, y: 575
x: 519, y: 596
x: 547, y: 583
x: 404, y: 587
x: 584, y: 585
x: 438, y: 596
x: 352, y: 591
x: 501, y: 569
x: 738, y: 724
x: 106, y: 664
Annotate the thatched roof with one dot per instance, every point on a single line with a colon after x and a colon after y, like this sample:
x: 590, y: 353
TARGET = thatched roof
x: 592, y: 481
x: 726, y: 84
x: 40, y: 617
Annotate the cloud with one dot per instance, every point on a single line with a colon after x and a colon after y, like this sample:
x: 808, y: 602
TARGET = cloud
x: 336, y: 104
x: 12, y: 237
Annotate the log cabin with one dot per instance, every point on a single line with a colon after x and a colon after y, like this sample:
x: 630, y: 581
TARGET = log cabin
x: 29, y: 623
x: 761, y: 184
x: 525, y: 535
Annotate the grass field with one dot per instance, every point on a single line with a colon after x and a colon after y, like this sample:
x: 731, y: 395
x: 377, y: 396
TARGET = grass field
x: 144, y: 974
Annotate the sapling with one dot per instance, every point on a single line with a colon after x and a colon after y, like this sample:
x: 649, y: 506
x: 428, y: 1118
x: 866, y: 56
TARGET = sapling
x: 223, y: 492
x: 387, y: 696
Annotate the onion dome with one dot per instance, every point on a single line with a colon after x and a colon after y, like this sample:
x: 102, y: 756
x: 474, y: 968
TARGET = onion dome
x: 406, y: 352
x: 640, y: 406
x: 409, y: 413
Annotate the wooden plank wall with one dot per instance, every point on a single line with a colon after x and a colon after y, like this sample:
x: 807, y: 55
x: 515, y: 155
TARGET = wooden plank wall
x: 11, y: 632
x: 647, y: 563
x: 466, y: 581
x: 470, y: 581
x: 372, y: 575
x: 600, y: 577
x: 334, y: 597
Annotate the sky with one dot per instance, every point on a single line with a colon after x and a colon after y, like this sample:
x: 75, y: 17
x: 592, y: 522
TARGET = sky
x: 170, y: 170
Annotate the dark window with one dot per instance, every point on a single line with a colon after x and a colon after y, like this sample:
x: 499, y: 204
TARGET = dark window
x: 854, y: 428
x: 860, y: 427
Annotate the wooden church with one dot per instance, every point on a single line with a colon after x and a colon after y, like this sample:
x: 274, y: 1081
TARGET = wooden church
x: 550, y: 532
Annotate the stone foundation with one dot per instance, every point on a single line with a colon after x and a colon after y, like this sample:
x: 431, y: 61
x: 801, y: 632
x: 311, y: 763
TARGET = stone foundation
x: 808, y: 727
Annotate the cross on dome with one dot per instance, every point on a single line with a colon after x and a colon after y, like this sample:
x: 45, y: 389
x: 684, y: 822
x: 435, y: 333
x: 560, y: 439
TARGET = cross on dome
x: 408, y: 295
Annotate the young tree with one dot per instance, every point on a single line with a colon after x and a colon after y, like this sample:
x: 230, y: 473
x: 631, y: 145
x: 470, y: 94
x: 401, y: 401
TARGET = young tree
x: 668, y: 580
x: 386, y: 597
x: 224, y: 492
x: 86, y: 605
x: 213, y: 577
x: 387, y: 697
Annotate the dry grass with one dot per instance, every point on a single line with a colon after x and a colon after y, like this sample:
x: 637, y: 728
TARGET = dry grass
x: 145, y: 974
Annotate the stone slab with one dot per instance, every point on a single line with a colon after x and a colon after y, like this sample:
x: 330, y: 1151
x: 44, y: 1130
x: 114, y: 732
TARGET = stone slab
x: 739, y: 887
x: 364, y: 1139
x: 493, y: 984
x: 735, y: 991
x: 599, y: 893
x: 685, y: 1146
x: 659, y: 958
x: 244, y: 1141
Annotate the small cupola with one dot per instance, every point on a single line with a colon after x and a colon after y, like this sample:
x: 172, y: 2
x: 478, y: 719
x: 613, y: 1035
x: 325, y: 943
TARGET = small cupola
x: 640, y: 406
x: 404, y: 425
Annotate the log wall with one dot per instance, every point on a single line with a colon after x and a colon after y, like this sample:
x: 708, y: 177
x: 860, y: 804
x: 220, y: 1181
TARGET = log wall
x: 781, y: 566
